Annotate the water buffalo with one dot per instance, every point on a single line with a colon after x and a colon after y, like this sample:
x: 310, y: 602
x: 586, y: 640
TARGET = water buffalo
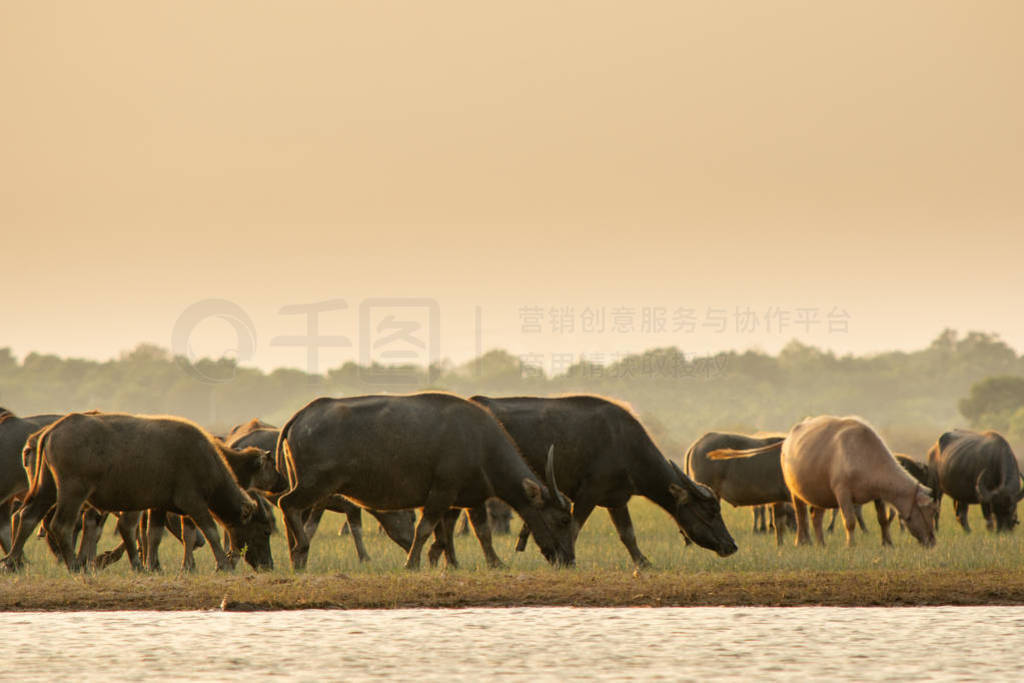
x: 432, y: 451
x: 832, y: 461
x: 718, y: 460
x: 119, y: 462
x: 14, y: 431
x: 605, y: 457
x: 397, y: 524
x: 255, y: 471
x: 917, y: 470
x: 981, y: 468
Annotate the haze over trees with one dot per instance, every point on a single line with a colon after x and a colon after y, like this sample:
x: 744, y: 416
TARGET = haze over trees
x: 911, y: 397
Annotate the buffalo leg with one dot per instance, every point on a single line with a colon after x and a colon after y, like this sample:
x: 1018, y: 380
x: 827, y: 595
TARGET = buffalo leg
x: 803, y: 534
x: 961, y: 514
x: 6, y: 512
x: 28, y: 517
x: 524, y: 536
x: 188, y: 541
x: 355, y: 527
x: 581, y: 510
x: 481, y: 523
x: 777, y: 515
x: 444, y: 540
x: 883, y: 521
x: 433, y: 512
x: 206, y: 525
x: 760, y: 526
x: 127, y: 528
x: 70, y: 499
x: 849, y: 511
x: 990, y: 520
x: 92, y: 527
x: 832, y: 524
x: 311, y: 520
x: 817, y: 519
x: 293, y: 505
x: 624, y: 526
x: 154, y: 534
x: 860, y: 518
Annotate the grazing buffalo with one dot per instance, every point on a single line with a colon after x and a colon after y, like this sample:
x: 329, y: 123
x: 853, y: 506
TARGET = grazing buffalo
x: 255, y: 471
x: 605, y: 457
x: 917, y: 470
x: 841, y: 462
x: 118, y: 462
x: 718, y: 460
x: 981, y: 468
x: 397, y: 524
x: 432, y: 451
x: 14, y: 431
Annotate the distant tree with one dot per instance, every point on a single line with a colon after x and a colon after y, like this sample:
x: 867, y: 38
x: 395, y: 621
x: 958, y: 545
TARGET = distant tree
x: 993, y: 399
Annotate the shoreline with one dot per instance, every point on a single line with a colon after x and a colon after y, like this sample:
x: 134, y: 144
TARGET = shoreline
x: 500, y: 589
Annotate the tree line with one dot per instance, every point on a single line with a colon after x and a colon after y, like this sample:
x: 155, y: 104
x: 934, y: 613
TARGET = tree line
x: 973, y: 380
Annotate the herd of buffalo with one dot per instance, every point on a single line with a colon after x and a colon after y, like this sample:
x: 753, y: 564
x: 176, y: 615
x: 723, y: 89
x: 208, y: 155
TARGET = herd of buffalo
x: 551, y: 460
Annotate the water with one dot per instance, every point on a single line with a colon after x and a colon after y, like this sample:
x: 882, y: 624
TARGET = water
x: 937, y: 643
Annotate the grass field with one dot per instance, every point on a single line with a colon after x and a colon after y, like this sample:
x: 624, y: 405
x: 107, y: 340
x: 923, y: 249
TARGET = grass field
x: 977, y: 568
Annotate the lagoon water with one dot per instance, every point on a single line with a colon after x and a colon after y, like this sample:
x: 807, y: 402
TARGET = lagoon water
x: 932, y: 643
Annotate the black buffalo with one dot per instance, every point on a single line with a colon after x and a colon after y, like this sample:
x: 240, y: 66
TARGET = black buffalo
x: 605, y: 457
x: 397, y: 524
x: 14, y: 431
x: 981, y: 468
x: 743, y: 480
x: 432, y: 451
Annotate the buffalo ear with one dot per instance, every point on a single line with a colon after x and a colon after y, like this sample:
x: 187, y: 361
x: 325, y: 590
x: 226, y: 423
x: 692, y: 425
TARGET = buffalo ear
x: 679, y: 493
x: 534, y: 493
x: 248, y: 510
x: 925, y: 496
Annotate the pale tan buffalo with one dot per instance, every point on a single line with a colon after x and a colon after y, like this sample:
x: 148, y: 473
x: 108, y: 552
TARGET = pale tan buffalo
x: 841, y: 462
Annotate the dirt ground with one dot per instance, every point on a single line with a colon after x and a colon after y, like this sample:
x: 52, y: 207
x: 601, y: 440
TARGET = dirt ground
x: 510, y: 589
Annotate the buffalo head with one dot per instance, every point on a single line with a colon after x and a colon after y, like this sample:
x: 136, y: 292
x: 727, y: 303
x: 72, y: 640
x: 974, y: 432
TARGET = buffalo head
x: 1002, y: 501
x: 550, y: 517
x: 699, y: 515
x: 267, y: 476
x: 253, y: 534
x: 920, y: 519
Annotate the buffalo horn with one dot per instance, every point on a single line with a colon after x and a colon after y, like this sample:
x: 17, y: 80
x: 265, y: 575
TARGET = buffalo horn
x: 549, y: 472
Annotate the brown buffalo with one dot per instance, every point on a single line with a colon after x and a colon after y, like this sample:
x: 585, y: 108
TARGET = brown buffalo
x: 841, y: 462
x: 119, y: 462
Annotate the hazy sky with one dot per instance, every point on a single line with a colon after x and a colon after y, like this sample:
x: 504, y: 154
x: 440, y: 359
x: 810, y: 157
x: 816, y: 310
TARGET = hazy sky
x: 860, y: 158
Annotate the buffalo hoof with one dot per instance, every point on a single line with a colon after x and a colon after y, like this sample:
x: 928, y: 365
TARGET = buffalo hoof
x: 642, y: 562
x: 298, y: 564
x: 108, y: 558
x: 8, y: 565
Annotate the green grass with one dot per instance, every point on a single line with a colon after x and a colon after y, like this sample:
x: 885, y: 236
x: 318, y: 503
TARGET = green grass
x: 598, y: 549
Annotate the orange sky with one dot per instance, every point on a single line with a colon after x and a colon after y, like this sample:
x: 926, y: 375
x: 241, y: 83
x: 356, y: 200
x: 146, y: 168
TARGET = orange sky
x: 864, y: 157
